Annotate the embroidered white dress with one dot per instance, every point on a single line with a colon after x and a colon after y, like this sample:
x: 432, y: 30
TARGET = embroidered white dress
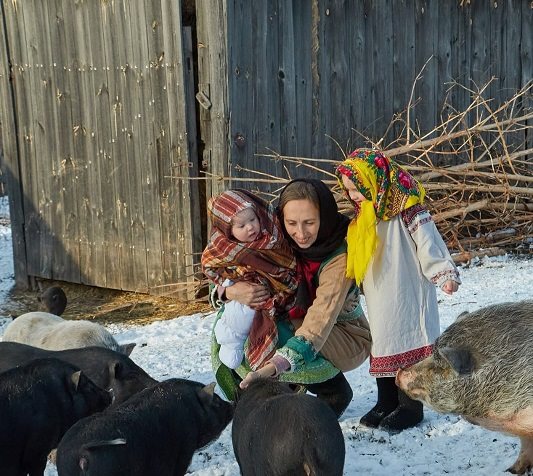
x: 399, y: 289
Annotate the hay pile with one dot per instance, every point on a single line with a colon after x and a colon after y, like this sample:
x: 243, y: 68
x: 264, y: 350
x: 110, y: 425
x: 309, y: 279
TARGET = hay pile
x: 104, y: 305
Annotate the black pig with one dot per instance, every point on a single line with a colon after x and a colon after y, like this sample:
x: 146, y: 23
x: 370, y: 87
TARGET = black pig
x: 53, y: 300
x: 276, y: 431
x: 154, y: 433
x: 38, y: 403
x: 106, y: 368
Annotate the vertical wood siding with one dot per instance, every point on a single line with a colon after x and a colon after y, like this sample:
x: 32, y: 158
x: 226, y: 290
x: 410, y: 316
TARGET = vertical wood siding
x: 307, y: 77
x: 101, y: 128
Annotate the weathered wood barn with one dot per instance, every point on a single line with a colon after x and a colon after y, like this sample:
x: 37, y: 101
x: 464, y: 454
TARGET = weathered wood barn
x: 114, y: 111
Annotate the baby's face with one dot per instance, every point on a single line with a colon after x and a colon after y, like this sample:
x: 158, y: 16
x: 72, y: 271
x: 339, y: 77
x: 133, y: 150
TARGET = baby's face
x: 245, y: 226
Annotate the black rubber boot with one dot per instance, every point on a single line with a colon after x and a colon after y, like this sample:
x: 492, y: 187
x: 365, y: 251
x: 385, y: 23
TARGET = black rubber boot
x: 336, y: 392
x: 408, y: 414
x: 387, y: 402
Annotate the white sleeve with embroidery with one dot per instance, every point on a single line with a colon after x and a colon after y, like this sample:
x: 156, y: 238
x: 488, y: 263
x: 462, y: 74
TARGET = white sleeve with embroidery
x: 435, y: 260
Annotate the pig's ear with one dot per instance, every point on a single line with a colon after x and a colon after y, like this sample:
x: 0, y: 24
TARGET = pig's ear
x: 207, y: 392
x: 115, y: 369
x: 238, y: 393
x: 75, y: 378
x: 462, y: 316
x: 127, y: 348
x: 460, y: 360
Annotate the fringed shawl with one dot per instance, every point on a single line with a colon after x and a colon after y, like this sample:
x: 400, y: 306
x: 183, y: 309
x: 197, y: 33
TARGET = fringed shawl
x: 268, y: 260
x: 388, y: 189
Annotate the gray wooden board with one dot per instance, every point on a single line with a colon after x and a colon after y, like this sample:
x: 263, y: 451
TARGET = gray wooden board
x: 301, y: 17
x: 91, y: 207
x: 10, y: 138
x: 194, y: 194
x: 143, y: 130
x: 241, y: 84
x: 404, y: 67
x: 20, y: 63
x: 73, y: 201
x: 526, y: 66
x: 268, y: 126
x: 98, y: 18
x: 41, y: 130
x: 132, y: 255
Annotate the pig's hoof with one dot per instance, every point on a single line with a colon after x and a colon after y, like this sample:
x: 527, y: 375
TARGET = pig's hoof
x: 519, y: 468
x: 524, y: 463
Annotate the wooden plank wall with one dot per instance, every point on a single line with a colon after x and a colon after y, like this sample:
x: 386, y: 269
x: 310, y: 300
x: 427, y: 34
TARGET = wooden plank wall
x: 526, y: 59
x: 99, y: 101
x: 10, y: 165
x: 211, y: 26
x: 3, y: 190
x: 311, y: 78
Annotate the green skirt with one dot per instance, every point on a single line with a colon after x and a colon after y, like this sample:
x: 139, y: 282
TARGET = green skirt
x: 317, y: 371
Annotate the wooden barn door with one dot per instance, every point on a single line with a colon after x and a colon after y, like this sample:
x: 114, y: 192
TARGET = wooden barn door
x: 97, y: 119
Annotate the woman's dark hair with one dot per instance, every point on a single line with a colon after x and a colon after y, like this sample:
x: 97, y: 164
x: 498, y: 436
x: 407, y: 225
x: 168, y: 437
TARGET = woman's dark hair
x: 333, y: 225
x: 298, y: 191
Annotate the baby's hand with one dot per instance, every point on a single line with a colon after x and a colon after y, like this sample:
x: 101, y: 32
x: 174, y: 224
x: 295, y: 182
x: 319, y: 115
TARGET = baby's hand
x: 251, y: 294
x: 450, y: 286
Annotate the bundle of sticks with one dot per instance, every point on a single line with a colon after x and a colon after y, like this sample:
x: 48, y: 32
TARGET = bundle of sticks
x: 476, y: 166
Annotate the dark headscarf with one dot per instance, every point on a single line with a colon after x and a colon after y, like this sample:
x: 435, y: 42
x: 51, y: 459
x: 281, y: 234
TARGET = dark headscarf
x: 333, y: 224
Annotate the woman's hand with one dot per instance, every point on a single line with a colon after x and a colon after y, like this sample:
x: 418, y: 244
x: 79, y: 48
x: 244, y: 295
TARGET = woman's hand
x: 250, y: 294
x: 269, y: 370
x: 450, y: 286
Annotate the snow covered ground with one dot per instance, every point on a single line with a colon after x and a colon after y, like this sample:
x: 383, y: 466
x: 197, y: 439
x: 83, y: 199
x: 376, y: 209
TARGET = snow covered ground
x: 440, y: 445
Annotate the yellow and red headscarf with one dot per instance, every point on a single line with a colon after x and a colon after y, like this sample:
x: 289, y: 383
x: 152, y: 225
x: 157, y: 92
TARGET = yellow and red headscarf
x: 388, y: 189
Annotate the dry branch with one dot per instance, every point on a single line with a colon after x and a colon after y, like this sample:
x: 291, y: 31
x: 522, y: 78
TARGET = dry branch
x: 467, y: 256
x: 478, y: 177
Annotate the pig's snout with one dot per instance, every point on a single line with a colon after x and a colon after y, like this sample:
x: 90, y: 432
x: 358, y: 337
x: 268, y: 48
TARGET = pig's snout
x: 403, y: 378
x: 406, y: 381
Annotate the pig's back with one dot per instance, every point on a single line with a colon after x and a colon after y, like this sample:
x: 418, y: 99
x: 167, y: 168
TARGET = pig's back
x: 51, y: 332
x: 31, y: 328
x: 76, y: 334
x: 496, y: 330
